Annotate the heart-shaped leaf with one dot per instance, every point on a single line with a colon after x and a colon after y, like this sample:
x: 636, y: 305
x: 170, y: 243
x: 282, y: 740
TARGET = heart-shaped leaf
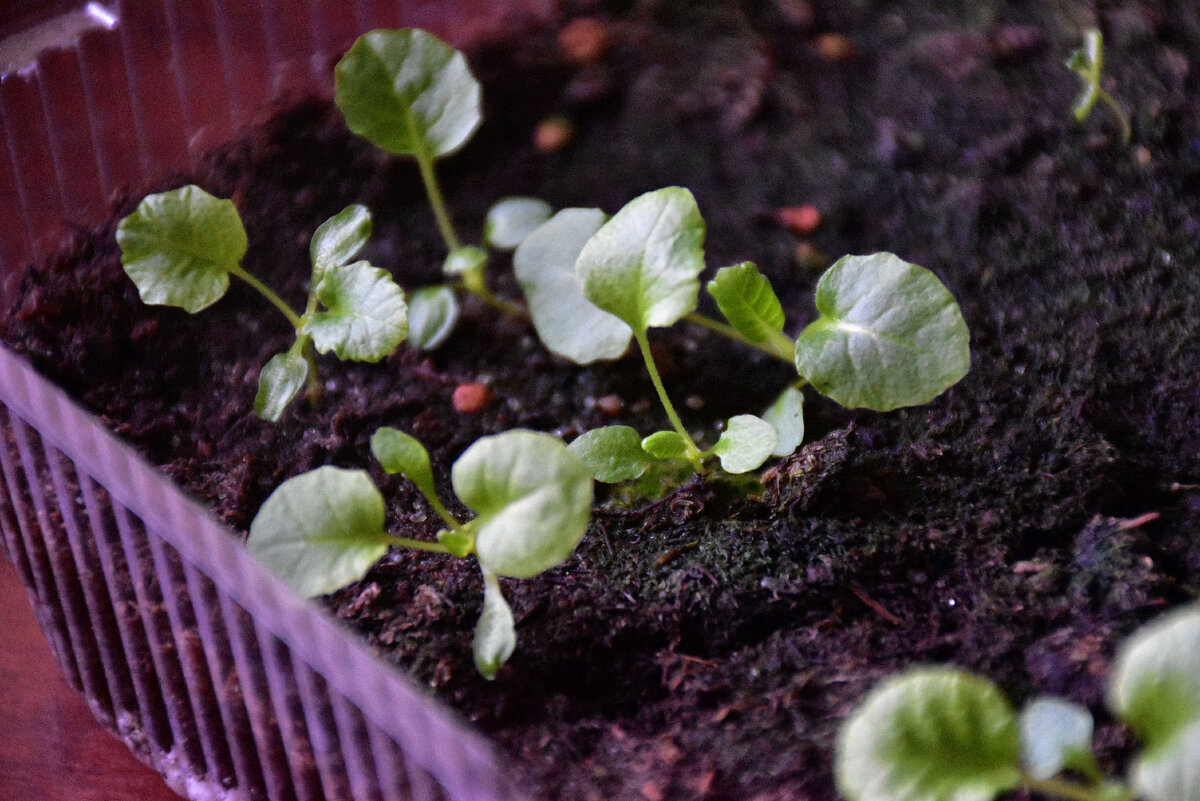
x: 432, y: 315
x: 512, y: 219
x: 889, y: 335
x: 567, y: 322
x: 179, y: 246
x: 408, y: 92
x: 931, y: 734
x: 612, y: 453
x: 365, y: 316
x: 320, y: 530
x: 644, y: 264
x: 1055, y: 735
x: 533, y: 498
x: 279, y: 382
x: 495, y: 633
x: 746, y: 443
x: 339, y: 239
x: 748, y: 301
x: 786, y: 415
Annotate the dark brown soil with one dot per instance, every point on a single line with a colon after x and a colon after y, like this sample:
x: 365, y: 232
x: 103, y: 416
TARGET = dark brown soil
x: 707, y: 645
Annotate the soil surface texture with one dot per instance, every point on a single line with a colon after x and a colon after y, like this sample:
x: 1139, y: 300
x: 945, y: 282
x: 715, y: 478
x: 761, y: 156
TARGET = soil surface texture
x: 707, y: 645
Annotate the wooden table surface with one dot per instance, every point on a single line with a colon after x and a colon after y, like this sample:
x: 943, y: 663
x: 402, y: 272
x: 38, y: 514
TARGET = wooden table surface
x: 51, y: 748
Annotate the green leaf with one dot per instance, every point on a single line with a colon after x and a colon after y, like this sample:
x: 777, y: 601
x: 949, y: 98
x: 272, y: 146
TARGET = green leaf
x: 408, y: 92
x: 748, y: 301
x: 612, y: 453
x: 432, y: 315
x: 365, y: 317
x: 1155, y: 684
x: 320, y: 530
x: 1055, y: 735
x: 746, y: 443
x: 567, y: 323
x: 931, y: 734
x: 644, y: 264
x: 464, y: 260
x: 399, y: 453
x: 889, y: 335
x: 179, y: 246
x: 279, y: 382
x: 495, y: 633
x: 786, y: 414
x: 512, y: 219
x: 533, y: 498
x: 665, y: 445
x: 1171, y: 774
x: 338, y: 240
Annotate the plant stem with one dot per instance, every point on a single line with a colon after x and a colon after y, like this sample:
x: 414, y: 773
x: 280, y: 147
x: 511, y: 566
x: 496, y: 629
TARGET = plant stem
x: 432, y: 189
x: 1066, y: 789
x: 1119, y: 113
x: 420, y: 545
x: 266, y: 292
x: 777, y: 347
x: 499, y: 304
x: 693, y: 452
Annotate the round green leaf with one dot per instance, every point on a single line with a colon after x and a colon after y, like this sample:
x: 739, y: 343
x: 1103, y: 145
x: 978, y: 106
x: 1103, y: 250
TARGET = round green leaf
x: 178, y: 247
x: 665, y: 445
x: 931, y: 734
x: 1155, y: 685
x: 512, y: 219
x: 746, y: 443
x: 567, y: 322
x: 644, y: 264
x: 1055, y: 735
x: 495, y: 633
x: 432, y: 315
x: 889, y: 335
x: 365, y: 316
x: 338, y: 240
x: 748, y: 301
x: 533, y: 498
x: 408, y: 92
x: 399, y: 453
x: 320, y: 530
x: 786, y: 414
x: 279, y: 382
x: 612, y: 453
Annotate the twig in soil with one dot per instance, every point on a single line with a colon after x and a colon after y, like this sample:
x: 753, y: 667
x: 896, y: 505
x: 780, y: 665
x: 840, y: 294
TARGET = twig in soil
x: 878, y: 608
x: 675, y: 553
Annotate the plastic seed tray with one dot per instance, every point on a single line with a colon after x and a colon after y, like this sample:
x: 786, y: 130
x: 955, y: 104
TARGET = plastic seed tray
x: 208, y: 667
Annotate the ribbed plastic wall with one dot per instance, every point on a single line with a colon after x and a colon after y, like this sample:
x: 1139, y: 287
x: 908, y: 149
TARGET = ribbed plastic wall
x: 209, y: 667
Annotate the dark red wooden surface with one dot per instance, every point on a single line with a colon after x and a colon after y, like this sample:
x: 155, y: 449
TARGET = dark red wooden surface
x: 51, y: 748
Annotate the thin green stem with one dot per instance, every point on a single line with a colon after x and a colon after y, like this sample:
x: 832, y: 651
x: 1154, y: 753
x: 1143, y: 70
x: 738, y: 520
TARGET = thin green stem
x: 1069, y: 790
x: 432, y: 189
x: 442, y: 511
x: 693, y: 451
x: 777, y: 347
x: 420, y: 545
x: 1119, y: 113
x: 266, y: 292
x: 499, y: 304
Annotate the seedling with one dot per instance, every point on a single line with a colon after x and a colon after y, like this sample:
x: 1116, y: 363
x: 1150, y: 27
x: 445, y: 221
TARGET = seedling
x: 411, y: 94
x: 940, y: 734
x: 323, y: 529
x: 888, y: 334
x: 180, y: 247
x: 1088, y: 63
